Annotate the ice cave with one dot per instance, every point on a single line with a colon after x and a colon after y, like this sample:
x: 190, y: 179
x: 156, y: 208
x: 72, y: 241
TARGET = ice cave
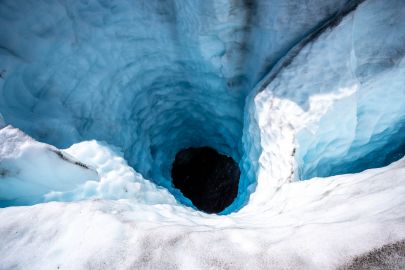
x: 215, y: 134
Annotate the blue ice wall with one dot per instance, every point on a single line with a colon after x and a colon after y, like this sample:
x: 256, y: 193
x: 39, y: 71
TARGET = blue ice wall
x: 366, y: 129
x: 149, y: 76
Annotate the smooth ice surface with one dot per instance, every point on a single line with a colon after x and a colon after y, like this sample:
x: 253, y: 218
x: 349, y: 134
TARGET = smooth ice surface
x: 290, y: 91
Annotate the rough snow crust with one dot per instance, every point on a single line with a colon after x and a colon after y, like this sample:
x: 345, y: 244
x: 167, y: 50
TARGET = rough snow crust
x: 317, y: 224
x: 333, y: 104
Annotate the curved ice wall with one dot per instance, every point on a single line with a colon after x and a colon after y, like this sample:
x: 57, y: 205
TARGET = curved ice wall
x: 153, y: 77
x: 366, y: 129
x: 334, y: 103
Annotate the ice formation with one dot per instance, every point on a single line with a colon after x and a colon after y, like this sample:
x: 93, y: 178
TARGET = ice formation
x: 29, y: 170
x: 291, y: 92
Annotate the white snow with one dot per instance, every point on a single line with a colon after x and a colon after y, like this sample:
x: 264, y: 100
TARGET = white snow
x: 117, y: 179
x: 317, y: 224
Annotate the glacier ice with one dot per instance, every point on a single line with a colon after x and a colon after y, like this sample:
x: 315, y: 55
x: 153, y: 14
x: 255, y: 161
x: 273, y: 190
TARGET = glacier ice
x: 289, y: 91
x: 339, y: 115
x: 29, y: 170
x: 175, y: 79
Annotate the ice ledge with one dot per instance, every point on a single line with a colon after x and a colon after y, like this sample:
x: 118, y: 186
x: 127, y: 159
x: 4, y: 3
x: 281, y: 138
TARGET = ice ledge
x: 30, y: 169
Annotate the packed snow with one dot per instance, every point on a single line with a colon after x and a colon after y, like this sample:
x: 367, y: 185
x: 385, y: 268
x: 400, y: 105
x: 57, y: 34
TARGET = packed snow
x: 97, y: 97
x: 125, y: 223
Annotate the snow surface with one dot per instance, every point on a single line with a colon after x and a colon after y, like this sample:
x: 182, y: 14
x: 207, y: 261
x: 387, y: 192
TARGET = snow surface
x: 317, y: 224
x: 307, y: 92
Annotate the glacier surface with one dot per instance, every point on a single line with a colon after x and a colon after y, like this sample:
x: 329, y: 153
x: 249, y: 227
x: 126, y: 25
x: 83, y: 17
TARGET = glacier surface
x: 97, y: 97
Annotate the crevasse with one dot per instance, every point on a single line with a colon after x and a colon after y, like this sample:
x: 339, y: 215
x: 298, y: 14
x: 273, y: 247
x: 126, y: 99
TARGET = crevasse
x: 97, y: 97
x: 194, y: 74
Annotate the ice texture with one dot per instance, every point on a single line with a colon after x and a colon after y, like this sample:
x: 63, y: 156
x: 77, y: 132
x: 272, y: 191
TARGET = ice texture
x: 331, y: 106
x: 316, y: 224
x: 148, y: 76
x: 29, y: 169
x: 292, y: 92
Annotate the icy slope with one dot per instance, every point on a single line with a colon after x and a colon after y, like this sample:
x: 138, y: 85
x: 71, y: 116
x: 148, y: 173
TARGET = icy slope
x: 317, y: 224
x: 29, y: 170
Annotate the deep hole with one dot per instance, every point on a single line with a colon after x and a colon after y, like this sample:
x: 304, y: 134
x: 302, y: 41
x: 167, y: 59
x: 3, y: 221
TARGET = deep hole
x: 210, y: 180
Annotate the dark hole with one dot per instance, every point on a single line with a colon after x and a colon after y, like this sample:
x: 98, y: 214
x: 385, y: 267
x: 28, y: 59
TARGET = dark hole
x: 210, y: 180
